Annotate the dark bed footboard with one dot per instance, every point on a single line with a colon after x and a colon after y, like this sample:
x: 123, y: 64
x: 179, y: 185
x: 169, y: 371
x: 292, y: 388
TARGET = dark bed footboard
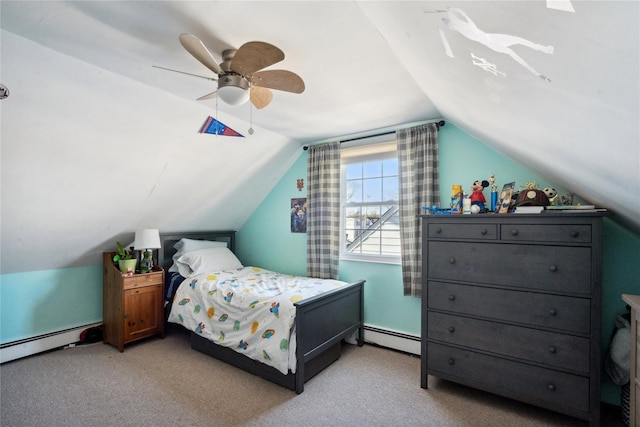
x: 322, y: 322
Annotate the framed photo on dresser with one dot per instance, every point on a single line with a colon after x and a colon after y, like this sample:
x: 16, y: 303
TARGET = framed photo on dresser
x: 505, y: 197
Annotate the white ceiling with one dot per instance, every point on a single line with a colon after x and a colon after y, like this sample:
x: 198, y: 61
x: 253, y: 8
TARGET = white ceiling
x: 370, y: 65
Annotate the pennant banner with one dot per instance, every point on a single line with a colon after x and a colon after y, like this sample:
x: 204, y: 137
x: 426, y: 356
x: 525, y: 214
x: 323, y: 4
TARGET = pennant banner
x: 215, y: 127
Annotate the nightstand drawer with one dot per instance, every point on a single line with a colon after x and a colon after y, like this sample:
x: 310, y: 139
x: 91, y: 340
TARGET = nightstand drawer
x: 554, y: 268
x: 139, y: 280
x: 463, y: 231
x: 549, y: 348
x: 575, y: 233
x: 528, y: 308
x: 508, y: 377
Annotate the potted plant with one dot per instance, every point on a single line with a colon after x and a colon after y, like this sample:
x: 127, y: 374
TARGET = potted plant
x: 125, y: 259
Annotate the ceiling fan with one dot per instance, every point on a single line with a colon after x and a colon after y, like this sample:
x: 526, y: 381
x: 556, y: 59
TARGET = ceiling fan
x: 240, y: 78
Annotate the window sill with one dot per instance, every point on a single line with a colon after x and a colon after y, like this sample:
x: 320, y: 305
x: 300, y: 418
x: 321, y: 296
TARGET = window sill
x: 375, y: 259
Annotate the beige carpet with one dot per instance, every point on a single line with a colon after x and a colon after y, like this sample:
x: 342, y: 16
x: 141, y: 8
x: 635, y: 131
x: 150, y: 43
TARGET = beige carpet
x: 165, y: 383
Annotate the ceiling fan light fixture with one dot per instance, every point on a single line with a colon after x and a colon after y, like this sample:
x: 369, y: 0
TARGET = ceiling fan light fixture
x: 233, y: 89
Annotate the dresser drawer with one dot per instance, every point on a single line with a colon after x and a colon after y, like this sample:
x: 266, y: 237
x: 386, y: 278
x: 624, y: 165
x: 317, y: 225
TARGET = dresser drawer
x: 547, y: 311
x: 549, y: 348
x: 139, y: 280
x: 510, y: 378
x: 463, y: 231
x: 554, y: 268
x: 576, y: 233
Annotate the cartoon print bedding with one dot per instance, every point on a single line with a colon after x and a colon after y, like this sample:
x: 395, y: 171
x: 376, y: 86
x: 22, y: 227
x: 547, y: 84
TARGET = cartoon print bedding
x: 248, y: 309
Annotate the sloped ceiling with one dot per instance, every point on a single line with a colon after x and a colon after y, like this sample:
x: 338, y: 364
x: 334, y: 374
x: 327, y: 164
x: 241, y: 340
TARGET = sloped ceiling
x: 367, y: 65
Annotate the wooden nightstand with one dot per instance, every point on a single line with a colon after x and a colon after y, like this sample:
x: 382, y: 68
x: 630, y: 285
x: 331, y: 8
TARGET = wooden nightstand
x: 131, y: 305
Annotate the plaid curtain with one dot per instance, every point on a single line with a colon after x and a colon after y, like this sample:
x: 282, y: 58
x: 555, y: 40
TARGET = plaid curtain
x: 419, y: 184
x: 323, y: 214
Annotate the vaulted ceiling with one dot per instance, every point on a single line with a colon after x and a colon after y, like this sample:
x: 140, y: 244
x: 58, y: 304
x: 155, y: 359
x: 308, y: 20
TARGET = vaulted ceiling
x: 554, y: 85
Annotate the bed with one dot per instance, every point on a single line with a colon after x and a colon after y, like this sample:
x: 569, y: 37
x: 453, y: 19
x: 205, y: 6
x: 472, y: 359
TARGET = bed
x: 321, y: 321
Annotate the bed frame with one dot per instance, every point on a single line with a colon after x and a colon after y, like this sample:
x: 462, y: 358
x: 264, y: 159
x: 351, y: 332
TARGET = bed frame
x: 322, y: 322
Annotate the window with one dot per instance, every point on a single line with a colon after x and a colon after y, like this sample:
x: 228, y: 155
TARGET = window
x: 369, y: 202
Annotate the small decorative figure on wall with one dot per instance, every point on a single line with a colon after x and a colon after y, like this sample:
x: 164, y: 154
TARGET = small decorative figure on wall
x: 300, y: 184
x: 299, y: 215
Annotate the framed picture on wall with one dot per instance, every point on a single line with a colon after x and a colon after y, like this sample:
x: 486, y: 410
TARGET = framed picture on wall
x: 505, y: 197
x: 299, y: 215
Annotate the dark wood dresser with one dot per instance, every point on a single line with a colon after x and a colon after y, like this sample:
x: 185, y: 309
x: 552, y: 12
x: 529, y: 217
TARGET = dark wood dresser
x: 511, y: 305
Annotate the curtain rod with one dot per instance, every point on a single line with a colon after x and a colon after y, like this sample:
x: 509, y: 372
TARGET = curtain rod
x: 438, y: 124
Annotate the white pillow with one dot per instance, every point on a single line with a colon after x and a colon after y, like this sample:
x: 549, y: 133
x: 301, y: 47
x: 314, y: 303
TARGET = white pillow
x: 187, y: 245
x: 207, y: 261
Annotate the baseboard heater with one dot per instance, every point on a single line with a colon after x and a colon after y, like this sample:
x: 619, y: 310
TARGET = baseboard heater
x: 392, y: 339
x: 34, y: 345
x: 30, y: 346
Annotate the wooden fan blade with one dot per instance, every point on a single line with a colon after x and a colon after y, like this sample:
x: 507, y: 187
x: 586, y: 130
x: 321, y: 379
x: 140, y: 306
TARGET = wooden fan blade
x: 278, y: 79
x: 208, y: 96
x: 260, y: 97
x: 254, y: 56
x: 198, y: 50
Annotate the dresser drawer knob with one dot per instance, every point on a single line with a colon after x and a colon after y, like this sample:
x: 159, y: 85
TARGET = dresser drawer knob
x: 553, y: 268
x: 514, y: 232
x: 452, y: 329
x: 552, y: 349
x: 575, y: 234
x: 452, y: 260
x: 553, y: 312
x: 452, y: 361
x: 438, y: 230
x: 483, y: 231
x: 551, y: 387
x: 452, y: 297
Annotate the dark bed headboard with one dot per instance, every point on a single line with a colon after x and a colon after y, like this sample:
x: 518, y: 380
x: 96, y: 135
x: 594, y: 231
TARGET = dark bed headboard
x: 167, y: 240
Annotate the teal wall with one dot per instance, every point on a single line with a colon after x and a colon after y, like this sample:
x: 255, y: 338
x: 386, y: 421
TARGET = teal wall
x: 266, y: 240
x: 40, y: 302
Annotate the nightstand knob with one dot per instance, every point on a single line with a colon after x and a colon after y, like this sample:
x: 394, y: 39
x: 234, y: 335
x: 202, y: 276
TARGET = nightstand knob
x: 452, y: 361
x: 575, y: 234
x: 452, y: 329
x: 452, y: 297
x: 452, y: 260
x: 553, y: 312
x: 551, y: 387
x: 552, y: 349
x: 553, y: 268
x: 514, y: 232
x: 483, y: 231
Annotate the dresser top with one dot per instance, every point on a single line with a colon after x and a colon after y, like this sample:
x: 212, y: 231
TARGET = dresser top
x: 632, y: 300
x: 545, y: 215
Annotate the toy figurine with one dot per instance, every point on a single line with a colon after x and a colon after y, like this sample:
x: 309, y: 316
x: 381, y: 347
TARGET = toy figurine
x: 494, y: 192
x: 477, y: 197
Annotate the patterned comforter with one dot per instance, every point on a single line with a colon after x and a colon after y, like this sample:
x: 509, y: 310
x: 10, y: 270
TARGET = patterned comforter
x: 249, y: 309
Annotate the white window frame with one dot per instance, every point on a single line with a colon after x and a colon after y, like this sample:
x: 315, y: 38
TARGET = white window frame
x: 375, y: 148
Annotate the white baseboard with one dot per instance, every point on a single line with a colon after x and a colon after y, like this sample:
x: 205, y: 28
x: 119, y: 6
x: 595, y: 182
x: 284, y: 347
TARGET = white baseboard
x: 18, y: 349
x: 392, y: 339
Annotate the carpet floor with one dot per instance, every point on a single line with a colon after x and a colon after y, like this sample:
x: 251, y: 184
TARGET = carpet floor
x: 163, y: 382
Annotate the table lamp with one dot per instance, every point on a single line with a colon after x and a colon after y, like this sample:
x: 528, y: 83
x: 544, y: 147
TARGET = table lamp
x: 146, y: 240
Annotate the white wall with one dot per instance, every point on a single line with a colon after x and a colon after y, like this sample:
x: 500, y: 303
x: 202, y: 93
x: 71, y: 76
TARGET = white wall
x: 88, y: 157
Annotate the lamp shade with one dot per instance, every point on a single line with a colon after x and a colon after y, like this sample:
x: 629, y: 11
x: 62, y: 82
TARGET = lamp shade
x: 147, y: 239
